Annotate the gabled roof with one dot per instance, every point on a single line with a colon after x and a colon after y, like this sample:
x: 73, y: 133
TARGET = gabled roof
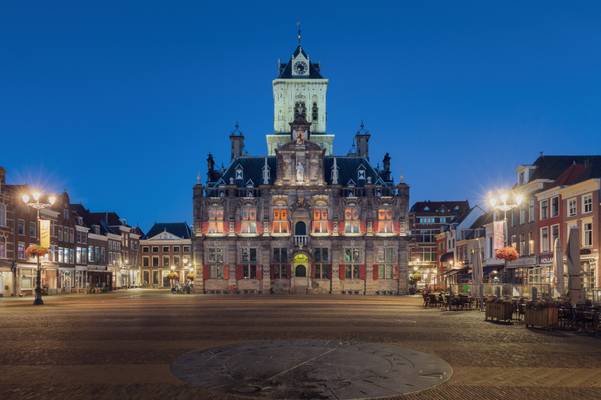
x: 179, y: 229
x: 252, y: 169
x: 482, y: 220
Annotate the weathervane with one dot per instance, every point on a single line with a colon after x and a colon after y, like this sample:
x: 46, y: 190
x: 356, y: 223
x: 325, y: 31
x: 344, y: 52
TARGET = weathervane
x: 299, y: 36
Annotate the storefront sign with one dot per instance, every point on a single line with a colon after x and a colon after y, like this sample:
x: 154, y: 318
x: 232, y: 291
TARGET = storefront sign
x: 45, y: 233
x: 545, y: 258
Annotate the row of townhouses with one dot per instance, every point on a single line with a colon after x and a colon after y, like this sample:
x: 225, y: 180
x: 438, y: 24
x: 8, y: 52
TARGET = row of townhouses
x: 88, y: 250
x: 557, y: 192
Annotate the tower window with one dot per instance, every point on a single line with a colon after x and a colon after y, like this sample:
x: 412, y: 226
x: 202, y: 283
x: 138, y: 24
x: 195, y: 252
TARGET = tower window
x: 314, y: 112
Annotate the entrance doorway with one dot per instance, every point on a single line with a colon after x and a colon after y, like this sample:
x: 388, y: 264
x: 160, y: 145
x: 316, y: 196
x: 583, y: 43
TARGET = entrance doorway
x: 300, y: 271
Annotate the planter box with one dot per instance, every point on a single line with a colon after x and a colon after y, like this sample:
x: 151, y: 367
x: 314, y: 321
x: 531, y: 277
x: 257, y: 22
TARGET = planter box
x: 498, y: 311
x: 544, y: 317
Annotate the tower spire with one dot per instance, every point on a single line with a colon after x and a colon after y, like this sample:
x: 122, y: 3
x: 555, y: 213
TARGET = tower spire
x: 299, y: 35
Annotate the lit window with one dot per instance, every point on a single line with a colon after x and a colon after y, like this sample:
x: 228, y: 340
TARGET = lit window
x: 320, y: 220
x: 385, y: 220
x: 280, y: 221
x: 249, y: 220
x: 215, y: 220
x: 351, y: 220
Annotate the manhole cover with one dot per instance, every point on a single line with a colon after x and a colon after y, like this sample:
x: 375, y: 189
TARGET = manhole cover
x: 311, y: 369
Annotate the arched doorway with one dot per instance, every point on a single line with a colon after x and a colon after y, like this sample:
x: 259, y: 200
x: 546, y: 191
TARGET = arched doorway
x: 300, y: 273
x: 300, y: 229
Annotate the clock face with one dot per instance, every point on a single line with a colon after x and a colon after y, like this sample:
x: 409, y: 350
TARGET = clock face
x: 300, y: 67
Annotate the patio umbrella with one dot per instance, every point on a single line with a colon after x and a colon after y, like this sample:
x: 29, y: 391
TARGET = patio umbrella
x: 574, y: 269
x: 477, y: 273
x: 558, y: 285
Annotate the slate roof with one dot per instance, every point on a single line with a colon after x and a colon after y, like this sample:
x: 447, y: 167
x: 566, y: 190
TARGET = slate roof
x: 482, y: 220
x: 457, y: 208
x: 286, y: 68
x: 551, y: 167
x: 179, y: 229
x: 348, y: 171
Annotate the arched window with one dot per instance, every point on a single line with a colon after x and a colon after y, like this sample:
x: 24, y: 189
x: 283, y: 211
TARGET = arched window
x: 300, y: 110
x: 2, y: 214
x: 300, y: 229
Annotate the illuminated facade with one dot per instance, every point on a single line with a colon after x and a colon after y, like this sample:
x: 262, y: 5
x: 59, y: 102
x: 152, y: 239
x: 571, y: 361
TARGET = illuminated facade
x: 300, y: 219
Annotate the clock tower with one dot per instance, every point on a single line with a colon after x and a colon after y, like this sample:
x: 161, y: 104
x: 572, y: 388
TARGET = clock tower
x: 299, y: 90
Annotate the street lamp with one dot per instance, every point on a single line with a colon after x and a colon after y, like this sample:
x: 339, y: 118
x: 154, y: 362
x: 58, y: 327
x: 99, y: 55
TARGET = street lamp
x: 505, y: 201
x: 34, y: 202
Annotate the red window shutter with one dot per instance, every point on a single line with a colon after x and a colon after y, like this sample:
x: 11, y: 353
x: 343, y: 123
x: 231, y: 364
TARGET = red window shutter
x: 341, y: 272
x: 376, y: 272
x: 362, y: 229
x: 341, y: 227
x: 205, y: 272
x: 226, y: 272
x: 397, y: 272
x: 237, y: 227
x: 375, y: 226
x: 362, y: 272
x: 204, y: 228
x: 289, y: 271
x: 239, y: 274
x: 259, y: 272
x: 396, y: 226
x: 259, y: 228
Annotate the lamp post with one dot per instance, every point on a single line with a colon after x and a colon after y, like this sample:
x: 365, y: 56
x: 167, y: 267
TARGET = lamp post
x: 34, y: 202
x: 505, y: 201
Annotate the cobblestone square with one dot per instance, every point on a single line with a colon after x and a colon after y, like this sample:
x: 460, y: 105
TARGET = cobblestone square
x: 122, y: 345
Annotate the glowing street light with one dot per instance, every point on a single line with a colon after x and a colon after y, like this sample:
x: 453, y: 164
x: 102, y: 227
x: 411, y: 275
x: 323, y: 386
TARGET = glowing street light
x: 505, y: 201
x: 38, y: 205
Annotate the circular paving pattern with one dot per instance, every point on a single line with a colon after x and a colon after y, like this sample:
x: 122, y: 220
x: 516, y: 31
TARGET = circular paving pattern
x: 311, y: 369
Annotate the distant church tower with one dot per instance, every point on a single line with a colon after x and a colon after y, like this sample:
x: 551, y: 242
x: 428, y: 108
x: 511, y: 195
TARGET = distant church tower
x: 299, y: 88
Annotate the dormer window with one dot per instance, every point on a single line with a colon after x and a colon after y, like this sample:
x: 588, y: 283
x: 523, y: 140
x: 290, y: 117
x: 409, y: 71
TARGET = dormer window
x: 239, y: 173
x: 361, y: 174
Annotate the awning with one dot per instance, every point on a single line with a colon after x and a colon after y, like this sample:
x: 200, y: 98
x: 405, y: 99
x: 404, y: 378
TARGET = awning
x: 455, y: 271
x: 446, y: 257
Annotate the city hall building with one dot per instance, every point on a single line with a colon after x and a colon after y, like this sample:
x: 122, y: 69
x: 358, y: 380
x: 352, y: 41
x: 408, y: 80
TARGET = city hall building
x: 300, y: 219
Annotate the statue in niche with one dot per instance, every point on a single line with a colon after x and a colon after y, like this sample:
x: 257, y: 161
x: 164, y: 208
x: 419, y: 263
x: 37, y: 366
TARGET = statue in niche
x: 300, y: 172
x: 300, y: 137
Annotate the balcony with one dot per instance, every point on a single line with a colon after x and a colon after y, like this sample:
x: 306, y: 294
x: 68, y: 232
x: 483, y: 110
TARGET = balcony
x: 300, y: 241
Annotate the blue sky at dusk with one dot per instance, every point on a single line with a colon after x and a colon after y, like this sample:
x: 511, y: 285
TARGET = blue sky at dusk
x: 120, y: 102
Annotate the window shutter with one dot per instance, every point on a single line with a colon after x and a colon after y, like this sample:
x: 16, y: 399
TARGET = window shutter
x: 259, y: 272
x: 397, y: 272
x: 239, y: 274
x: 205, y: 272
x: 362, y: 229
x: 237, y: 227
x: 259, y: 228
x: 376, y: 271
x: 226, y: 272
x: 341, y: 272
x: 204, y: 228
x: 289, y: 271
x: 396, y: 226
x: 362, y: 272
